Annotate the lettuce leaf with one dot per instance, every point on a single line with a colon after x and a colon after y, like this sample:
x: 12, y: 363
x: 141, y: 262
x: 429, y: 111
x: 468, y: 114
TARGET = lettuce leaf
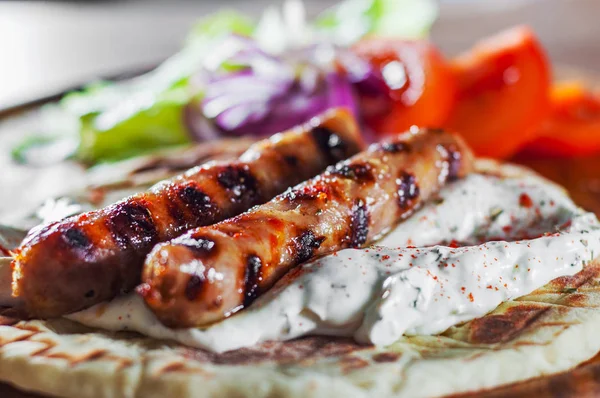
x: 112, y: 136
x: 150, y: 113
x: 112, y: 121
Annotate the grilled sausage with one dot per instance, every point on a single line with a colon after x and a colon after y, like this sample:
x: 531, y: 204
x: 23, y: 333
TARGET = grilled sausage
x: 72, y: 264
x: 212, y: 272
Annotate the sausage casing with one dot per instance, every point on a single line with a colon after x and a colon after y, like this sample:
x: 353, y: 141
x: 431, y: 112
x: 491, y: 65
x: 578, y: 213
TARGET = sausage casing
x: 211, y: 272
x: 77, y: 262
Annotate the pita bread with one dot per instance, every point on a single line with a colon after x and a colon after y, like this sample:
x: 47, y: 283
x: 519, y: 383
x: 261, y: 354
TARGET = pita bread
x: 548, y: 331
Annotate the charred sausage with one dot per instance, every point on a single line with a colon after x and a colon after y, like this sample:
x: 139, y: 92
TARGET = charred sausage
x: 72, y: 264
x: 212, y: 272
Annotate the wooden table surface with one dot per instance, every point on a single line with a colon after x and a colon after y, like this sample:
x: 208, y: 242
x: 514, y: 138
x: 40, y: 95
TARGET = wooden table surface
x: 49, y: 47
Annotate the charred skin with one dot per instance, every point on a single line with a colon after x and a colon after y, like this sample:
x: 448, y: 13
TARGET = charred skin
x: 72, y: 264
x: 212, y: 272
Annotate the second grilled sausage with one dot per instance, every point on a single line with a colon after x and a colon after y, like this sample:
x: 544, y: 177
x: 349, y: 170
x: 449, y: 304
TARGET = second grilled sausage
x: 212, y: 272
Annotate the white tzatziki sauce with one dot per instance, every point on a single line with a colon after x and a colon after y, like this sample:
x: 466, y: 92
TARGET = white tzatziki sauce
x: 486, y: 239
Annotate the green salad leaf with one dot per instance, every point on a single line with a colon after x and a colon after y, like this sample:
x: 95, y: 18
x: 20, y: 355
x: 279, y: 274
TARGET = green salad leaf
x: 112, y: 121
x: 118, y: 133
x: 149, y: 113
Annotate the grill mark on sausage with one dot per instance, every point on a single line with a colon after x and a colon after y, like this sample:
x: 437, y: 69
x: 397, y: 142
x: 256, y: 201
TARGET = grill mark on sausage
x: 359, y: 223
x: 454, y: 162
x: 291, y: 160
x: 305, y: 244
x: 332, y: 146
x: 174, y: 205
x: 131, y: 225
x: 396, y: 147
x: 293, y: 195
x: 177, y: 214
x: 359, y: 172
x: 252, y: 278
x: 76, y: 238
x: 239, y: 181
x: 197, y: 201
x: 199, y: 245
x: 194, y: 287
x: 203, y: 247
x: 407, y: 189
